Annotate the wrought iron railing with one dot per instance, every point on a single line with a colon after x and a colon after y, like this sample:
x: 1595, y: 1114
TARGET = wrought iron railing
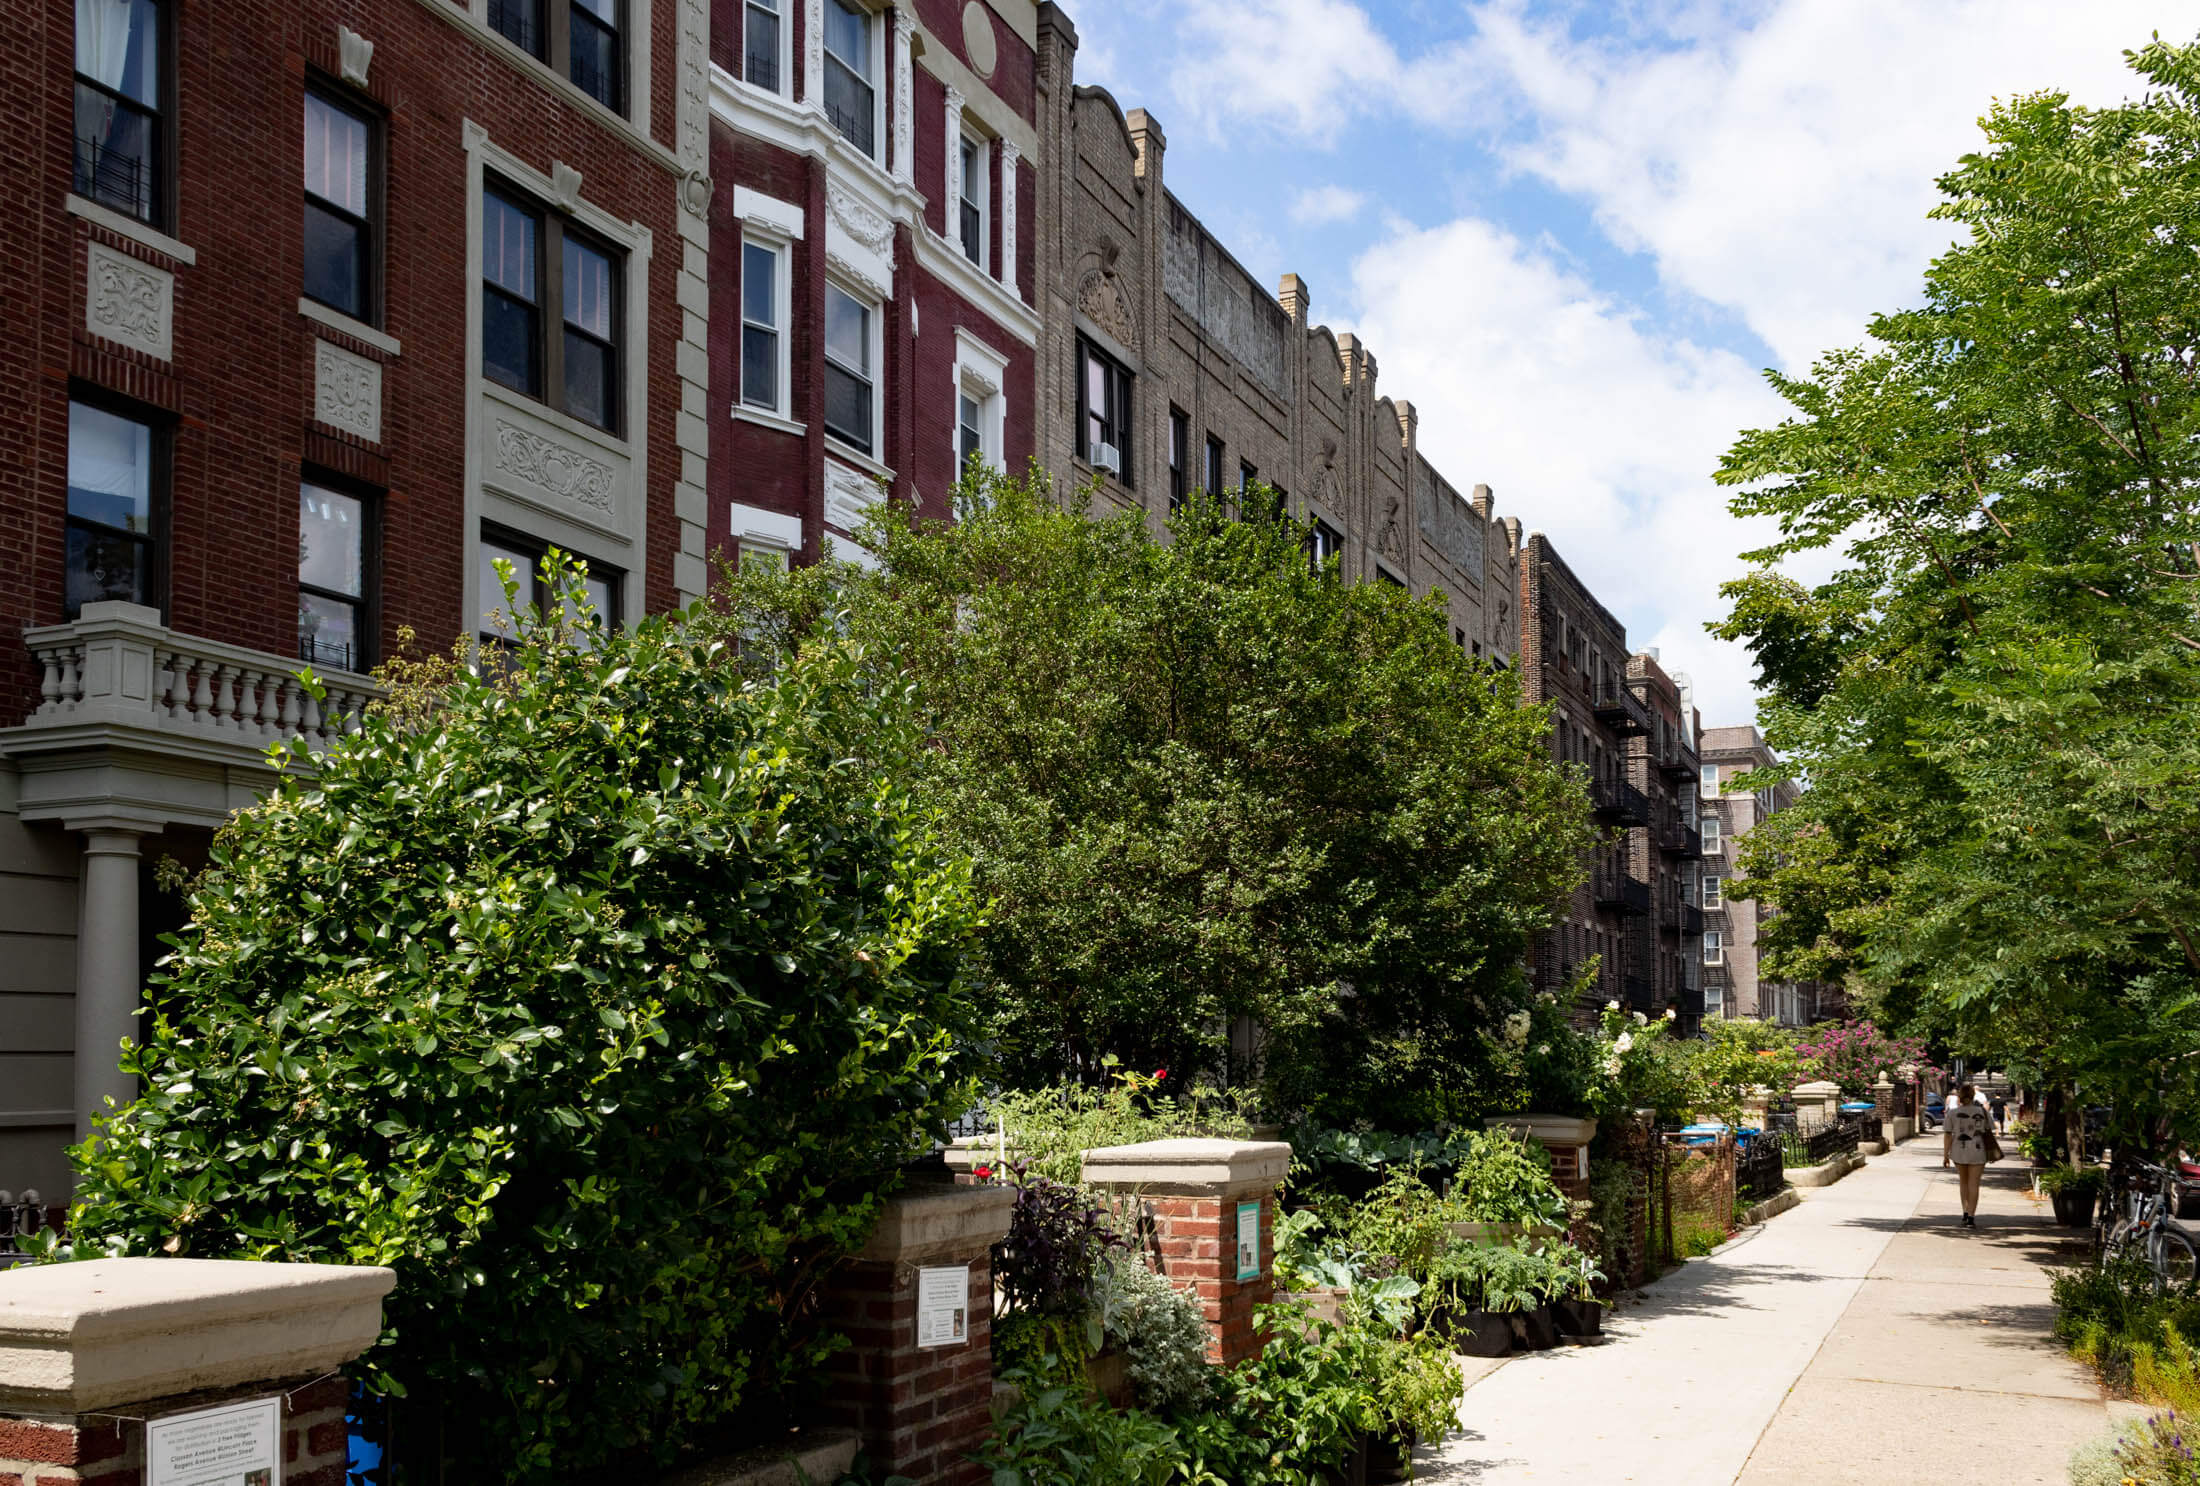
x: 1760, y: 1171
x: 1619, y: 802
x: 1618, y: 890
x: 1621, y: 710
x: 848, y: 103
x: 973, y: 233
x: 21, y: 1215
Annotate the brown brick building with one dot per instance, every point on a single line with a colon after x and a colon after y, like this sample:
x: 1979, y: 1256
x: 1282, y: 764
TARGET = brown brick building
x: 1627, y: 726
x: 320, y: 307
x: 1733, y: 985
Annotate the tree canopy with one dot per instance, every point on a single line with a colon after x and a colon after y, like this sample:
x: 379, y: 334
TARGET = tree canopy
x: 1204, y: 784
x: 1996, y: 698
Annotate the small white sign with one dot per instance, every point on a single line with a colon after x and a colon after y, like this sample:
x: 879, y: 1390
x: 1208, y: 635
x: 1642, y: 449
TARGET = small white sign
x: 238, y: 1444
x: 943, y: 1306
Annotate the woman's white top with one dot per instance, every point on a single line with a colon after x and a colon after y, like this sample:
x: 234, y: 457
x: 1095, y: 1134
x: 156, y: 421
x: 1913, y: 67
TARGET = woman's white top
x: 1968, y: 1127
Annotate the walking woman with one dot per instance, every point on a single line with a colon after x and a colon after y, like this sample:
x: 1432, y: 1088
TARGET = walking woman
x: 1967, y: 1143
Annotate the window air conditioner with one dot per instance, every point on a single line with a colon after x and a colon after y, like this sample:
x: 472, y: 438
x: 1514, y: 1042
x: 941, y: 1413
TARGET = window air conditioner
x: 1105, y: 457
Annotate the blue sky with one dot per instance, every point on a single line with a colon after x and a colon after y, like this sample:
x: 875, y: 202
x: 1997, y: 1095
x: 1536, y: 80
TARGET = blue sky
x: 1574, y: 234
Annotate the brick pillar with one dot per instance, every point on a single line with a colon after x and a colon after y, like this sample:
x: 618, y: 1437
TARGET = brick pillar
x: 1191, y: 1192
x: 94, y: 1355
x: 921, y: 1403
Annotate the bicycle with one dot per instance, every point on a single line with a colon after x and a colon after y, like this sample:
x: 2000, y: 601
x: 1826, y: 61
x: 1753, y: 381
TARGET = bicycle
x: 2142, y: 1225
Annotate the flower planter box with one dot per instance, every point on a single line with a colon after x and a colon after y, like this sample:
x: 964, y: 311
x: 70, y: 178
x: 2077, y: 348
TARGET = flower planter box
x: 1389, y: 1458
x: 1482, y: 1333
x: 1578, y: 1318
x: 1537, y: 1329
x: 2074, y: 1209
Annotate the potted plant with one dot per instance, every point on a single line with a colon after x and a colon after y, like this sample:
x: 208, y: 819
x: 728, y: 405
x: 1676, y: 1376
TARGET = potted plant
x: 1456, y: 1301
x: 2073, y: 1190
x: 1416, y: 1387
x: 1514, y: 1288
x: 1574, y: 1304
x: 2038, y: 1147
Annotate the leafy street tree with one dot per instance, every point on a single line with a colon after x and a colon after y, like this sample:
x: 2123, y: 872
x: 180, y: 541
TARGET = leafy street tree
x: 600, y: 996
x: 1996, y: 698
x: 1205, y: 785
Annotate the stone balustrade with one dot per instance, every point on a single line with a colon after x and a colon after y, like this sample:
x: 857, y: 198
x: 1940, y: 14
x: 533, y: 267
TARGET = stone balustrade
x: 118, y: 665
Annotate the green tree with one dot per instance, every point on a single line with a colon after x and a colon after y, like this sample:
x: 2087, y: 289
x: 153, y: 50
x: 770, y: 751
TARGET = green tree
x: 1996, y: 698
x: 1738, y: 1057
x: 601, y: 996
x: 1206, y: 784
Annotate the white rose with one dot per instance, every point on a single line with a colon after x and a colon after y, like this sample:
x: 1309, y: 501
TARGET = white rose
x: 1669, y: 1013
x: 1623, y: 1042
x: 1641, y: 1020
x: 1611, y: 1006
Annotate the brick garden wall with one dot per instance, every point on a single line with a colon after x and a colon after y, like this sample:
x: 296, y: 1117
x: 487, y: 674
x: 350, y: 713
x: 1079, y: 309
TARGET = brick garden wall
x: 107, y: 1450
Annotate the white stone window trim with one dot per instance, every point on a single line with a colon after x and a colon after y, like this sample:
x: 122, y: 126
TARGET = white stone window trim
x: 635, y: 240
x: 358, y: 330
x: 131, y: 228
x: 743, y: 413
x: 874, y: 20
x: 981, y: 148
x: 875, y: 334
x: 981, y: 373
x: 755, y: 527
x: 1384, y: 566
x: 783, y: 322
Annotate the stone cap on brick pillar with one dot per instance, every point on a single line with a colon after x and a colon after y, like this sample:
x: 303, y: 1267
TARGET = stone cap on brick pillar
x: 79, y: 1337
x: 1189, y: 1164
x: 939, y: 1222
x: 1549, y: 1129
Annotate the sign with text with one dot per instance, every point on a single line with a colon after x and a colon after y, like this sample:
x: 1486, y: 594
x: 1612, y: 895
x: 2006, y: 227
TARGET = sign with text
x: 238, y: 1444
x: 1248, y: 1255
x: 943, y: 1305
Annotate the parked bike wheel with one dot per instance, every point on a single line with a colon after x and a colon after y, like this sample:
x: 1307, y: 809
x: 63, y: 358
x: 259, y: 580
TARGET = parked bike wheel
x: 2175, y: 1263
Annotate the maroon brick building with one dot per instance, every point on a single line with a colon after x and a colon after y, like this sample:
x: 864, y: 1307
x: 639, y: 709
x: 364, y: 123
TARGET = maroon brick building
x: 872, y: 319
x: 319, y: 309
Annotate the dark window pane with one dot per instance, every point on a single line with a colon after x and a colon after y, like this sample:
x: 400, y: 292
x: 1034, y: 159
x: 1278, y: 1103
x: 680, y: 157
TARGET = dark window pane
x: 973, y: 233
x: 760, y: 47
x: 102, y: 565
x: 116, y: 152
x: 336, y: 155
x: 759, y: 367
x: 520, y: 22
x: 847, y: 407
x: 336, y: 261
x: 848, y: 104
x: 588, y: 290
x: 508, y: 247
x: 508, y: 342
x: 587, y: 379
x: 328, y: 632
x: 759, y: 285
x: 595, y: 51
x: 848, y: 35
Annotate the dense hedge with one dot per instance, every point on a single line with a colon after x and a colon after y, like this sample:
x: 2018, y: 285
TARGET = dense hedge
x: 601, y: 999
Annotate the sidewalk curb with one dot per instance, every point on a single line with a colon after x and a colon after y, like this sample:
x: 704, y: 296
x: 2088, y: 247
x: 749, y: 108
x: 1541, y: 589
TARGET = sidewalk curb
x: 1826, y: 1175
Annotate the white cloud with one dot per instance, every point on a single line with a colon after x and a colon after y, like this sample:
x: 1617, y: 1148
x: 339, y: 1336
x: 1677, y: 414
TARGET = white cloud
x: 1588, y: 425
x: 1321, y: 206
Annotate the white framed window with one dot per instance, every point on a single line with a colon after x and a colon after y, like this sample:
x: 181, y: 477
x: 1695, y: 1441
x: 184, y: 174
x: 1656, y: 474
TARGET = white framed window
x: 1709, y: 788
x: 1713, y: 890
x: 1714, y: 1001
x: 977, y: 198
x: 764, y: 38
x: 852, y: 355
x: 852, y: 88
x: 1710, y: 829
x: 981, y: 404
x: 1714, y: 947
x: 764, y: 310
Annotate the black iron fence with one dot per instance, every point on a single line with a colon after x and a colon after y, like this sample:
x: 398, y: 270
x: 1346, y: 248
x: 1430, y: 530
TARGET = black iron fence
x: 22, y: 1215
x: 1817, y: 1146
x: 1760, y: 1171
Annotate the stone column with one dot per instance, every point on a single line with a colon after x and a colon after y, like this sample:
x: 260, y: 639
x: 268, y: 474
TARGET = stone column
x: 951, y: 219
x: 93, y: 1354
x: 1212, y: 1207
x: 905, y: 164
x: 916, y: 1383
x: 108, y: 986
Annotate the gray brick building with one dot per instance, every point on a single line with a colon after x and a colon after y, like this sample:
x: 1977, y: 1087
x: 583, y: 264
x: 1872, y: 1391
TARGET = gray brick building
x: 1733, y: 986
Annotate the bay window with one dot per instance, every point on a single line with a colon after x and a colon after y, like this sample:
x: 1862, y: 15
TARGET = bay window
x: 849, y: 361
x: 763, y: 316
x: 761, y: 29
x: 851, y: 74
x: 976, y: 196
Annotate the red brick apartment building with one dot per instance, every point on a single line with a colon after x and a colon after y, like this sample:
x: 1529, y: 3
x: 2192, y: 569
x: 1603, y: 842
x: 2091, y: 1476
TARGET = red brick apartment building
x: 319, y: 308
x: 872, y: 310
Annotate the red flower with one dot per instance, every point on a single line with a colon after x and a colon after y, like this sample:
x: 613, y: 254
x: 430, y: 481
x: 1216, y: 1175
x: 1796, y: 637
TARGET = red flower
x: 981, y: 1172
x: 1161, y: 1073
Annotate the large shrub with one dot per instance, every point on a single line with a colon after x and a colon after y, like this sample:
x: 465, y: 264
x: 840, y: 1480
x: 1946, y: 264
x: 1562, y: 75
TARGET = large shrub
x: 601, y: 997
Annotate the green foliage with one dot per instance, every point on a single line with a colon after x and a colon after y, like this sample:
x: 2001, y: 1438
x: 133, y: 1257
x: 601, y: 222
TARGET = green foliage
x: 1739, y: 1056
x: 1506, y: 1178
x: 1160, y: 1329
x: 1996, y: 694
x: 1045, y: 1349
x: 2080, y: 1181
x: 1057, y: 1435
x: 2114, y: 1319
x: 602, y: 998
x: 1051, y: 1128
x: 1203, y: 781
x: 1639, y: 1066
x: 1490, y: 1277
x: 1403, y: 1221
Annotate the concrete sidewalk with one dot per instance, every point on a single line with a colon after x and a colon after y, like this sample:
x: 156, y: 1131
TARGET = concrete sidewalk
x: 1862, y: 1337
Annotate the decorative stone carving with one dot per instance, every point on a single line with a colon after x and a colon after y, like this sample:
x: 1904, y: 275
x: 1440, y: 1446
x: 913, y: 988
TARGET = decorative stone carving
x: 848, y: 494
x: 1009, y: 158
x: 1100, y: 300
x: 868, y: 226
x: 905, y: 165
x: 951, y: 219
x: 128, y: 301
x: 1389, y: 543
x: 983, y: 52
x: 696, y: 189
x: 347, y: 391
x: 563, y: 472
x: 813, y: 54
x: 565, y: 184
x: 353, y: 54
x: 693, y: 122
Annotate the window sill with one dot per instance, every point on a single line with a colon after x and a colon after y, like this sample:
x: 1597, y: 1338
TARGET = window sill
x: 131, y: 228
x: 344, y: 324
x: 743, y: 413
x: 855, y: 458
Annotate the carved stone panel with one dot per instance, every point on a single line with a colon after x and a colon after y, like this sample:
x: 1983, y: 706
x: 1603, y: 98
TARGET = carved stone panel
x: 347, y: 391
x: 539, y: 462
x: 848, y: 494
x: 128, y: 301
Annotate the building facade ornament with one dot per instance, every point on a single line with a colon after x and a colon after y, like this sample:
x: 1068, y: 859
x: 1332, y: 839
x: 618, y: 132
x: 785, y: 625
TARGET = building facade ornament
x: 347, y: 391
x: 1009, y: 157
x: 128, y: 301
x: 870, y: 227
x: 1100, y: 300
x: 354, y: 53
x: 553, y: 467
x: 813, y: 54
x: 905, y: 165
x: 952, y: 217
